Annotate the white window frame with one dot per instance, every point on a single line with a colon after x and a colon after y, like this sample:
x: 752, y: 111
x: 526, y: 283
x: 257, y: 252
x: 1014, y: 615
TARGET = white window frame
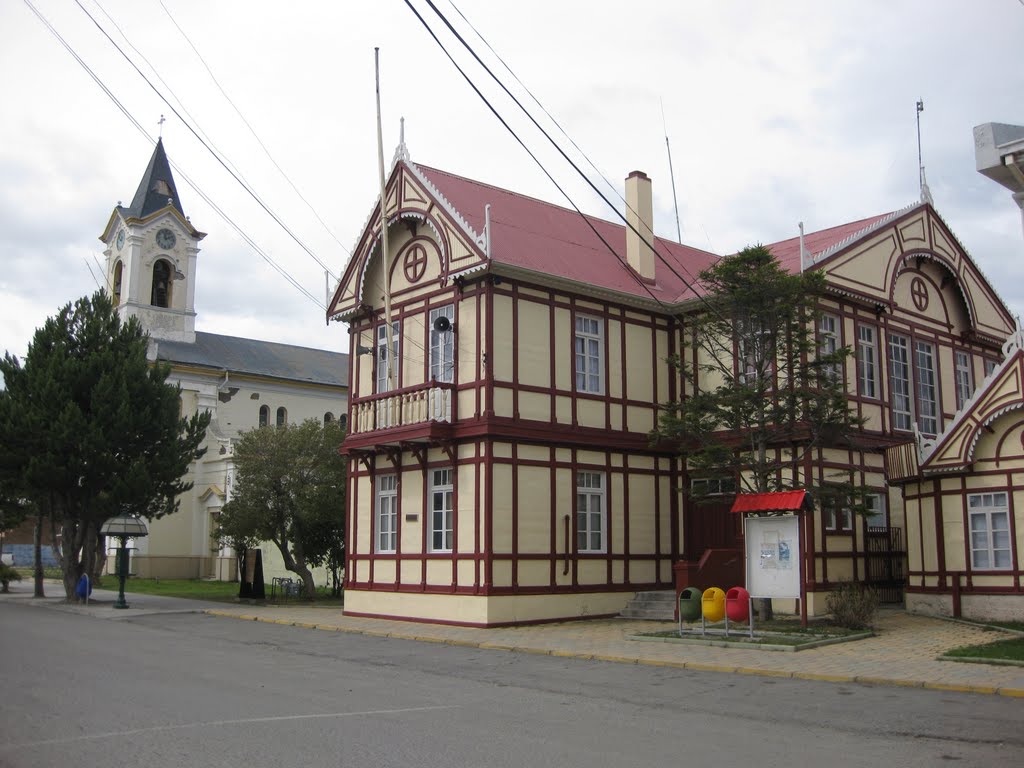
x: 990, y: 366
x: 988, y: 518
x: 441, y: 510
x: 591, y: 512
x: 442, y: 346
x: 876, y: 512
x: 867, y: 361
x: 929, y: 418
x: 964, y: 378
x: 828, y: 341
x: 385, y: 523
x: 380, y: 352
x: 712, y: 486
x: 838, y: 517
x: 588, y: 353
x: 900, y: 382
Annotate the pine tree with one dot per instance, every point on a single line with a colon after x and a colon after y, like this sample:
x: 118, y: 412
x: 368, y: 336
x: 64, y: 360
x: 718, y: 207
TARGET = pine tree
x: 90, y: 429
x: 762, y: 392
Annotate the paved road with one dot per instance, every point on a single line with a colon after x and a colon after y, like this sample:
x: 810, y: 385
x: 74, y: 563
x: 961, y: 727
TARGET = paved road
x: 180, y: 690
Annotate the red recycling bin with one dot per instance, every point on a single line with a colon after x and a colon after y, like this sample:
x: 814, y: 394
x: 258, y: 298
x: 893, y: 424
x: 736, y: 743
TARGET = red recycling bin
x: 737, y: 604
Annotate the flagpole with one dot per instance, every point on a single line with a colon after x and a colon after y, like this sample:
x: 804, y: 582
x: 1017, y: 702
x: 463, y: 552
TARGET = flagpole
x: 384, y: 234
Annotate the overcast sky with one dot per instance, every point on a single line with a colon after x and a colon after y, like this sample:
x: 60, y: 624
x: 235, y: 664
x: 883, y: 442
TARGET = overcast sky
x: 777, y: 112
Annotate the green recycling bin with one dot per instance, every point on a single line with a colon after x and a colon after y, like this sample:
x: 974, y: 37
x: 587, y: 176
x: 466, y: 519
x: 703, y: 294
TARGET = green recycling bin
x: 689, y: 604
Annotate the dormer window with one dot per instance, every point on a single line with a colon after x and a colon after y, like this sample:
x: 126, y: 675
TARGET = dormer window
x: 161, y: 187
x: 161, y: 294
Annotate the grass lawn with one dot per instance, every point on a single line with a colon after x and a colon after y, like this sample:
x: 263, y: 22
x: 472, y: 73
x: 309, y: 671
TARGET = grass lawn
x: 198, y: 589
x: 777, y: 632
x: 1011, y: 649
x: 195, y: 589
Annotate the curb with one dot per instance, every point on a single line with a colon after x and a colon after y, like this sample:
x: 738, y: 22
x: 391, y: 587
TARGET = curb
x: 689, y: 665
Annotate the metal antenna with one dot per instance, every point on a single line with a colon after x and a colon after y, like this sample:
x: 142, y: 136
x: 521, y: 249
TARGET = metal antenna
x: 672, y: 175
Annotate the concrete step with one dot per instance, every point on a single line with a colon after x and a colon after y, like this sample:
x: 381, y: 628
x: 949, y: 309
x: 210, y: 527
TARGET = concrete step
x: 654, y: 606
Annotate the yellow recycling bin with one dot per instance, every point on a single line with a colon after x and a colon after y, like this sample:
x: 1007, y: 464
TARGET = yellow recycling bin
x: 714, y: 604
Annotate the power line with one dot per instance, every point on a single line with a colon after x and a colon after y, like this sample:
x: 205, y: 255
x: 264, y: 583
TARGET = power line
x: 253, y: 130
x: 167, y: 86
x: 199, y: 138
x: 131, y: 118
x: 531, y: 154
x: 650, y: 244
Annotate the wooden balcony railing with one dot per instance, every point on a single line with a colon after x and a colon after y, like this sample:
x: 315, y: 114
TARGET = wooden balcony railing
x: 403, y: 407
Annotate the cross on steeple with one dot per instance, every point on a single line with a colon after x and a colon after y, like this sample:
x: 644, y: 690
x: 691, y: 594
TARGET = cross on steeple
x: 161, y: 122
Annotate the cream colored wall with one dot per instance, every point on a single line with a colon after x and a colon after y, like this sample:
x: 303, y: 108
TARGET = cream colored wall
x: 273, y: 567
x: 469, y: 609
x: 536, y: 488
x: 1007, y: 468
x: 186, y: 533
x: 638, y: 363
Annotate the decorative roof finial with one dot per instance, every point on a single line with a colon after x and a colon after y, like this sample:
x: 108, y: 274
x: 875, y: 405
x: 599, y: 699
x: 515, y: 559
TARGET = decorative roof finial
x: 401, y: 151
x: 161, y: 122
x: 926, y: 194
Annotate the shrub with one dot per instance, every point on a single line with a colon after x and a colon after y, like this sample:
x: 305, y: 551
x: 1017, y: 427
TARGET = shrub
x: 7, y: 575
x: 853, y: 606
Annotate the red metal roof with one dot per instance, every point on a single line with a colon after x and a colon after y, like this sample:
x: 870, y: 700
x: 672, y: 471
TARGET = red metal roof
x: 542, y: 237
x: 779, y: 501
x: 788, y: 251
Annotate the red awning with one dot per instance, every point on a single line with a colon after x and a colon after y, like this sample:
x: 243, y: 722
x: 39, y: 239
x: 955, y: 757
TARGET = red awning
x: 779, y: 501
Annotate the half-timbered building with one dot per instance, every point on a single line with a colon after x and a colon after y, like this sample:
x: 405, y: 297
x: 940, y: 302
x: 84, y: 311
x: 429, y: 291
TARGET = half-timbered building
x: 507, y: 362
x: 963, y: 493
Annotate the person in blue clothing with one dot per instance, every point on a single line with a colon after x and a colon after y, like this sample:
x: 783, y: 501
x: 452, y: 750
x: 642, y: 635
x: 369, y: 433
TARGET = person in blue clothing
x: 84, y: 587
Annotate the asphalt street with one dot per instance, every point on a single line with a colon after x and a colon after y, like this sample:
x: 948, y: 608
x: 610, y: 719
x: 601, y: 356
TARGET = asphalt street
x: 185, y: 689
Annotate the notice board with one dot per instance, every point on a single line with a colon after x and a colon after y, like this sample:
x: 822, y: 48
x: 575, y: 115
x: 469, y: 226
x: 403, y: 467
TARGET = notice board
x: 773, y: 556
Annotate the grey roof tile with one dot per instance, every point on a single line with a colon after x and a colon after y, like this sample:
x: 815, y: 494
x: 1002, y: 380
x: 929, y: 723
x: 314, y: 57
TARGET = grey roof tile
x: 259, y: 358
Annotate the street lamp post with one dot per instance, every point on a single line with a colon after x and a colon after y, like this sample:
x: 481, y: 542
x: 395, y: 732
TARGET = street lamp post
x: 124, y: 527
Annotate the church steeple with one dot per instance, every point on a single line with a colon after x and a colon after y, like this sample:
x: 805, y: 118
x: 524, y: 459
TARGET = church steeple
x: 157, y: 189
x: 151, y: 250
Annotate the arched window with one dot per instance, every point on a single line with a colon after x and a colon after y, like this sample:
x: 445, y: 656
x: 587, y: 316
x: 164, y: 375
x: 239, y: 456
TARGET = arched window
x: 282, y: 416
x: 161, y: 295
x: 264, y: 415
x: 116, y: 288
x: 328, y: 417
x: 343, y: 420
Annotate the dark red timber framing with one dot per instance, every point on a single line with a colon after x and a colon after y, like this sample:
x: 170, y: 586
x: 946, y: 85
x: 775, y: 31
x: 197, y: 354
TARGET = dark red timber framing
x: 963, y: 582
x: 502, y: 444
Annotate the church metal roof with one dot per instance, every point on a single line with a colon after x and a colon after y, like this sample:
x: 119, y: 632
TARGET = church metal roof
x: 258, y: 358
x: 157, y: 188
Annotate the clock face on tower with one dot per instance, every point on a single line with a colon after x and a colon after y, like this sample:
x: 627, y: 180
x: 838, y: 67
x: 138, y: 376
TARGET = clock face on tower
x: 120, y: 240
x: 165, y: 238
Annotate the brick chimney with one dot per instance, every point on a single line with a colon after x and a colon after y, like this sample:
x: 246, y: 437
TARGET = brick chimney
x: 640, y: 215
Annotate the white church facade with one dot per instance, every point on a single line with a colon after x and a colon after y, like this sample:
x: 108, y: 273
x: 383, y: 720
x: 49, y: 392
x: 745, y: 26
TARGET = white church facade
x: 151, y: 251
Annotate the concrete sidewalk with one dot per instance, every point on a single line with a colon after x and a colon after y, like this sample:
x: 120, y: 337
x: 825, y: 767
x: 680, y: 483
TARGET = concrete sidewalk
x: 904, y: 651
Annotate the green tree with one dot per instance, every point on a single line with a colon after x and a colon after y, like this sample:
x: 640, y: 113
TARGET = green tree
x: 765, y: 390
x: 290, y: 489
x: 90, y: 429
x: 15, y: 509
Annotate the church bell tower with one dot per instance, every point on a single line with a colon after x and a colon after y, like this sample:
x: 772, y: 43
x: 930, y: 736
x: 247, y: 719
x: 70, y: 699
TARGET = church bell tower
x: 151, y: 251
